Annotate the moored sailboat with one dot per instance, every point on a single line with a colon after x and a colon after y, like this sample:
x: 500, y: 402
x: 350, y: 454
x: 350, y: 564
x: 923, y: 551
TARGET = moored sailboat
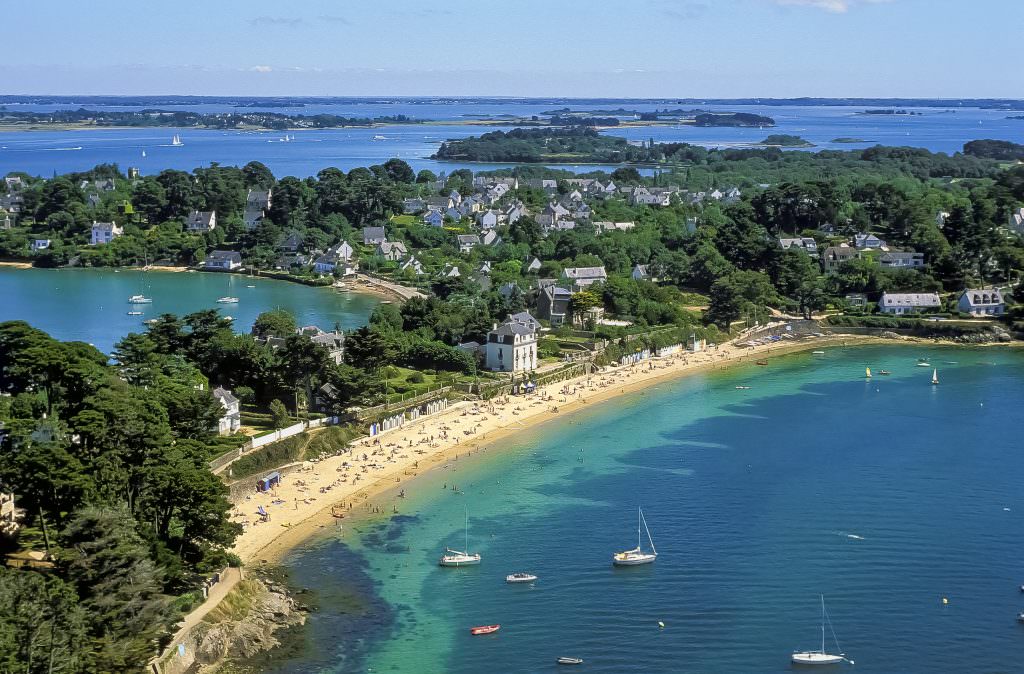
x: 821, y: 657
x: 460, y: 557
x: 637, y: 556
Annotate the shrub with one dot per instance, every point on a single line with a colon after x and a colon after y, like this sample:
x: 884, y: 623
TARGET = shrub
x: 416, y: 378
x: 278, y: 414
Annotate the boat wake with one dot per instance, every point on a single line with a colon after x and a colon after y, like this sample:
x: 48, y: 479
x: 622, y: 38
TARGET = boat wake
x: 61, y: 149
x: 846, y: 534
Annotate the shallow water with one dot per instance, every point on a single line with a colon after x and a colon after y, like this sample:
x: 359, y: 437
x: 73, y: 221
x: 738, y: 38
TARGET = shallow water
x: 885, y: 496
x: 91, y: 305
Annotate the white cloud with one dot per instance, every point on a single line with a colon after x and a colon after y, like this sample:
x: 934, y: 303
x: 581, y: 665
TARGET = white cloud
x: 835, y: 6
x: 261, y: 69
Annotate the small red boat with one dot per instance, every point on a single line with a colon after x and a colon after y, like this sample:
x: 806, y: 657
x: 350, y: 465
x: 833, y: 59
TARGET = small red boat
x: 484, y: 629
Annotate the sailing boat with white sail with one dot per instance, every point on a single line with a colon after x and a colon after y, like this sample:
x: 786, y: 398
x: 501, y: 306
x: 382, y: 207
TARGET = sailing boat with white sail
x: 176, y: 141
x: 822, y: 657
x: 637, y: 556
x: 460, y: 557
x: 935, y: 377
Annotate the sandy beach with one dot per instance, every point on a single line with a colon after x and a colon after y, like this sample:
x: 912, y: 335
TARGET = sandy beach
x: 351, y: 483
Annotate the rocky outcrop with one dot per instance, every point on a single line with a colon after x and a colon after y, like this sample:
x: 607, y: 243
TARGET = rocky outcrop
x: 270, y: 610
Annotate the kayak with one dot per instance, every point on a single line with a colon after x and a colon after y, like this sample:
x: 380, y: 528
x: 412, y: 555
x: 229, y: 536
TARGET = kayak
x: 484, y: 629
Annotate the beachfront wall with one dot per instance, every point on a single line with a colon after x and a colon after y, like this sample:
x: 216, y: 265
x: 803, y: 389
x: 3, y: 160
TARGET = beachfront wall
x: 223, y: 461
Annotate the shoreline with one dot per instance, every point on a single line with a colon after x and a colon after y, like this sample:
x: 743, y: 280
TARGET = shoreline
x: 292, y: 525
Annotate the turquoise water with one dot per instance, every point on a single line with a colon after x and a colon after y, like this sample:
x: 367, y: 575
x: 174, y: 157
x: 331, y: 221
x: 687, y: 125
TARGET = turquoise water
x: 885, y: 496
x: 91, y: 305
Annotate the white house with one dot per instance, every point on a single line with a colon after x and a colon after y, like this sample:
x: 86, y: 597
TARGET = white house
x: 467, y: 242
x: 533, y: 267
x: 487, y: 220
x: 450, y: 271
x: 806, y: 244
x: 392, y: 250
x: 257, y: 203
x: 1016, y: 222
x: 908, y: 303
x: 40, y: 244
x: 412, y: 263
x: 434, y: 218
x: 981, y: 302
x: 335, y: 255
x: 641, y: 273
x: 511, y: 347
x: 201, y: 221
x: 490, y: 238
x: 907, y: 259
x: 105, y: 232
x: 863, y: 241
x: 232, y: 418
x: 373, y: 235
x: 223, y: 260
x: 581, y: 277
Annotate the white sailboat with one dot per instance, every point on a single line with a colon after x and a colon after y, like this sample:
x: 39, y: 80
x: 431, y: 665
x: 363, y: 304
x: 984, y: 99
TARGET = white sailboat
x: 176, y: 141
x: 637, y: 556
x: 935, y: 377
x: 143, y: 153
x: 460, y: 557
x: 821, y: 657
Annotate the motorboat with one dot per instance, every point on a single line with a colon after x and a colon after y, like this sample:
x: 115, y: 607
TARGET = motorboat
x: 520, y: 578
x: 921, y: 362
x: 569, y: 661
x: 762, y: 362
x: 637, y: 556
x: 134, y: 313
x: 818, y: 353
x: 742, y: 388
x: 227, y: 300
x: 821, y: 657
x: 139, y: 299
x: 1020, y: 617
x: 484, y: 629
x: 884, y: 372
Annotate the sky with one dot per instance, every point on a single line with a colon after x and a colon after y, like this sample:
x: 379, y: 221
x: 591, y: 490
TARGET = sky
x: 577, y: 48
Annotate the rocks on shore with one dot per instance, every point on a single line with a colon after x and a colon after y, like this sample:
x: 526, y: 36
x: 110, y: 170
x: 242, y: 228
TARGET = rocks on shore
x: 271, y: 610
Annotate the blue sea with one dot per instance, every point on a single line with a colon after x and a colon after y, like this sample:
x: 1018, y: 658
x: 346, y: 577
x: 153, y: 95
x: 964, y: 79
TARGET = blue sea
x: 885, y: 496
x: 91, y: 305
x: 47, y: 152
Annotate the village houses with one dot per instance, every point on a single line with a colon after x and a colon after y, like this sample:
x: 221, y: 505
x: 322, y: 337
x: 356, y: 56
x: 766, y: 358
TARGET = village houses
x: 223, y: 260
x: 201, y: 221
x: 105, y: 232
x: 981, y: 302
x: 908, y: 303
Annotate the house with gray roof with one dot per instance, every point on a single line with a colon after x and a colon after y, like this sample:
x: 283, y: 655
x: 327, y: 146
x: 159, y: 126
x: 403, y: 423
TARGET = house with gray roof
x: 201, y: 221
x: 903, y: 259
x: 581, y: 277
x: 373, y: 235
x: 553, y: 305
x: 467, y: 242
x: 908, y: 303
x: 223, y: 260
x: 231, y: 420
x: 981, y: 302
x: 511, y: 347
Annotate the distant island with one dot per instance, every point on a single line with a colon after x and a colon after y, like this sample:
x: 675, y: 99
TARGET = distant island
x: 84, y: 118
x: 890, y: 111
x: 1016, y: 117
x: 849, y: 140
x: 744, y: 119
x: 616, y: 116
x: 786, y: 140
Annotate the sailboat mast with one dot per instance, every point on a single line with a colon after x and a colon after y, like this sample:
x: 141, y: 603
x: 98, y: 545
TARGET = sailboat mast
x: 822, y: 623
x: 639, y: 515
x: 467, y: 552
